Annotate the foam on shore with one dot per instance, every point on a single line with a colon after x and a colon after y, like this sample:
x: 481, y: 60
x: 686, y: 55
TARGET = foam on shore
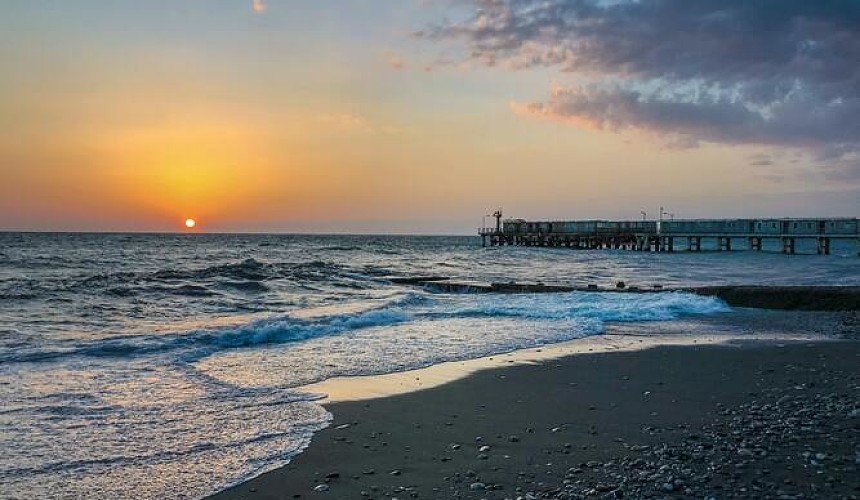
x: 618, y: 337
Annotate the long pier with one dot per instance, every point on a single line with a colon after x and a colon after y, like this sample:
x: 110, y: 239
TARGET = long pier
x: 674, y: 235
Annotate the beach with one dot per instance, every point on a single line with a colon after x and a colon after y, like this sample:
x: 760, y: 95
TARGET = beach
x: 740, y: 419
x: 187, y: 366
x: 470, y: 249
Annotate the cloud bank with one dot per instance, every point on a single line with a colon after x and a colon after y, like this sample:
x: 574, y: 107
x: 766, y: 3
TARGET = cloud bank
x: 780, y: 73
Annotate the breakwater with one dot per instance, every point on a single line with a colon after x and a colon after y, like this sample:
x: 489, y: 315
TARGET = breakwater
x: 801, y: 298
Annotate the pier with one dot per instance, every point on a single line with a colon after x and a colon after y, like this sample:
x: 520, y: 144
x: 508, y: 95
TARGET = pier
x: 783, y: 235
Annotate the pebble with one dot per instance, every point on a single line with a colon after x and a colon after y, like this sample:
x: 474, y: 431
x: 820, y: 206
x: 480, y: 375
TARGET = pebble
x: 321, y: 487
x: 745, y: 451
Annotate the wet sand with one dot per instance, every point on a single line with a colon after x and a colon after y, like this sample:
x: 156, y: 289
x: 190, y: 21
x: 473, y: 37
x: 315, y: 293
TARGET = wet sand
x: 752, y: 419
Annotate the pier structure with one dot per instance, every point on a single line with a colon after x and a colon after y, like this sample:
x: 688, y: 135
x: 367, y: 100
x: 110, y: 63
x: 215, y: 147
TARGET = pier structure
x: 673, y: 235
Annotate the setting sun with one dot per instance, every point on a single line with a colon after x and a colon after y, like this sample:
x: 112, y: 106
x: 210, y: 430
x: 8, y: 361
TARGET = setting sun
x: 190, y: 223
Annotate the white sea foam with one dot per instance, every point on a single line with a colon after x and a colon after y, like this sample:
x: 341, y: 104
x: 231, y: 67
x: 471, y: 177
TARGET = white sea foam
x: 397, y: 309
x: 604, y: 306
x: 448, y: 327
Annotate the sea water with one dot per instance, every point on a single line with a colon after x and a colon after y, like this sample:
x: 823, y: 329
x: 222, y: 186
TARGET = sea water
x: 170, y: 363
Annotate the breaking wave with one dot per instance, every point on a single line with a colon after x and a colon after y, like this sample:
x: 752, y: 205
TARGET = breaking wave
x: 599, y: 307
x: 603, y: 306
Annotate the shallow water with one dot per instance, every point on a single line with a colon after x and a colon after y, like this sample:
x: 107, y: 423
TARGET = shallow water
x: 171, y: 361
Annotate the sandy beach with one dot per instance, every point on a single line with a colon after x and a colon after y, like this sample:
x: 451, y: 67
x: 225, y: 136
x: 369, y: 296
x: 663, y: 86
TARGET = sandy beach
x: 750, y: 419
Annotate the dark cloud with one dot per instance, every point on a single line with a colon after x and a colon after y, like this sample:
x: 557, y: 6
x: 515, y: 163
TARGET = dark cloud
x: 771, y: 72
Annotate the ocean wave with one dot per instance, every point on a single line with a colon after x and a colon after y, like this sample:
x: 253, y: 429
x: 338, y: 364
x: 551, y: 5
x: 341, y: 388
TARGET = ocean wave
x: 604, y: 306
x: 146, y: 458
x: 597, y: 306
x: 246, y: 286
x: 246, y: 276
x: 197, y: 343
x: 248, y: 270
x: 17, y: 296
x: 187, y: 290
x: 342, y: 248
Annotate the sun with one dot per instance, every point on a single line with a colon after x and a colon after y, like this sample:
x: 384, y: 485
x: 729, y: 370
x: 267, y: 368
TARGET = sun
x: 190, y: 223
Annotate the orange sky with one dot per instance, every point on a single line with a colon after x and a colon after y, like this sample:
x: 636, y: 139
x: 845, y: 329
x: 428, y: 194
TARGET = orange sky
x: 122, y: 119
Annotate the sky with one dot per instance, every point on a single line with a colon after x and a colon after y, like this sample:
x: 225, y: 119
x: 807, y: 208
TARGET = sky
x: 422, y: 116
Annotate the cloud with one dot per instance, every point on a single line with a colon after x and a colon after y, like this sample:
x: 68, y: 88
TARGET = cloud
x: 352, y: 123
x: 761, y: 160
x: 773, y: 73
x: 395, y: 61
x: 258, y: 6
x: 345, y: 121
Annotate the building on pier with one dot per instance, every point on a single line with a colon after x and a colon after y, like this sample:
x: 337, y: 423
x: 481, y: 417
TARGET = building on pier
x: 673, y: 235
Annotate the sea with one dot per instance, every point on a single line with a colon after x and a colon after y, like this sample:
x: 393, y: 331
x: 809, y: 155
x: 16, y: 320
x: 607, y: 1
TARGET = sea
x: 172, y: 365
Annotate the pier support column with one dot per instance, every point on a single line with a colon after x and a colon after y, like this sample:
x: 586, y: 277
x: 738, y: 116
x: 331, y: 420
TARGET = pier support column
x: 725, y: 243
x: 823, y: 246
x: 788, y: 245
x: 755, y: 243
x: 694, y: 243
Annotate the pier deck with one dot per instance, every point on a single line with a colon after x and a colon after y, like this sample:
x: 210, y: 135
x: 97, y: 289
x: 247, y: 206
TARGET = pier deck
x: 673, y: 235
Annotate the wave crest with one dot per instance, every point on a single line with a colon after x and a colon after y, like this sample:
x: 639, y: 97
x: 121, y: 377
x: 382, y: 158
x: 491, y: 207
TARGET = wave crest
x: 596, y: 307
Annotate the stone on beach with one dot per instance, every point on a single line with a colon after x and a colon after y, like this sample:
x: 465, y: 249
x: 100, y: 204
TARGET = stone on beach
x: 742, y: 435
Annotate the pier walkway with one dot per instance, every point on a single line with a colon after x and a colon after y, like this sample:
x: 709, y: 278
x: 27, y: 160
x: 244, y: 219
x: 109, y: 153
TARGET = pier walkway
x: 784, y: 235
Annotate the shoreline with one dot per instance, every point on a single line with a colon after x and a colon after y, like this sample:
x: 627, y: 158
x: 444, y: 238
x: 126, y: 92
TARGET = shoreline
x: 618, y: 337
x: 419, y: 439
